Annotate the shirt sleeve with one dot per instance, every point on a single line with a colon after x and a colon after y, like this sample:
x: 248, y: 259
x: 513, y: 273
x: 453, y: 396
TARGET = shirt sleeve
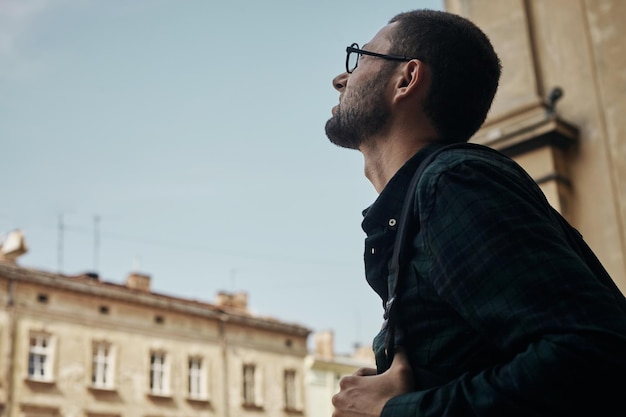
x: 500, y: 261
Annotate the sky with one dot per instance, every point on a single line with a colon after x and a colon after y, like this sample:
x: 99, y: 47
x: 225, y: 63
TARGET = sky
x: 184, y: 139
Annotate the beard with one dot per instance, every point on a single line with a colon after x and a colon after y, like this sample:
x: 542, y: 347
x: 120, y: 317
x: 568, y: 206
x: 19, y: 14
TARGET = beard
x: 363, y: 114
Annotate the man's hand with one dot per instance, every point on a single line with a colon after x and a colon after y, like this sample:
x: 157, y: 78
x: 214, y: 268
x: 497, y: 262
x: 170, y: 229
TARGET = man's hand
x: 364, y: 394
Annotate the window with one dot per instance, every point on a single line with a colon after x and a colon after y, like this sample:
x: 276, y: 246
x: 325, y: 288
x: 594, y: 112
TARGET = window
x: 252, y: 388
x: 197, y: 379
x: 40, y: 357
x: 248, y: 384
x: 102, y: 366
x: 159, y: 374
x: 290, y: 389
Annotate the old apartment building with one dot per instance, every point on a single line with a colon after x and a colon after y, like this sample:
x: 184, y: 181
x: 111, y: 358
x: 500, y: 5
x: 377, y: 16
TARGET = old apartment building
x: 77, y: 346
x: 560, y: 108
x: 325, y: 368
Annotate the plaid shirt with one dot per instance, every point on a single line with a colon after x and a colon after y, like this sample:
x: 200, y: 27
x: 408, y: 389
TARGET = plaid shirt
x: 498, y: 314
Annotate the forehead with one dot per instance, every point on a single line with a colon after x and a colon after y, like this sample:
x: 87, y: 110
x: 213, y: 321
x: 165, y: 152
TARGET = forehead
x: 382, y: 39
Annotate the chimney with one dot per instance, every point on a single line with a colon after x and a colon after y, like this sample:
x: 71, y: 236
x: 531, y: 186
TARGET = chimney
x: 325, y: 344
x: 237, y: 300
x: 13, y: 246
x: 137, y: 281
x: 364, y: 353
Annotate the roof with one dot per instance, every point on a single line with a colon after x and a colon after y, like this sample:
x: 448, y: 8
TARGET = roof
x: 90, y: 284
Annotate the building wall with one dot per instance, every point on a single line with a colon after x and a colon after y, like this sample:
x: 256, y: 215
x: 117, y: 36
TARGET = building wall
x: 5, y: 354
x: 272, y: 356
x: 576, y: 45
x: 75, y: 313
x: 324, y: 370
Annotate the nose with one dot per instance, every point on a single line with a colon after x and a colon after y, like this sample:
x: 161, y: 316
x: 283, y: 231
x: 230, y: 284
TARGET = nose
x: 340, y: 81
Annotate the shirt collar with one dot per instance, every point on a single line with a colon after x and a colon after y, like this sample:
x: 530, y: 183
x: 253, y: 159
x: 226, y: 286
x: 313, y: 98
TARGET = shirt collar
x: 389, y: 203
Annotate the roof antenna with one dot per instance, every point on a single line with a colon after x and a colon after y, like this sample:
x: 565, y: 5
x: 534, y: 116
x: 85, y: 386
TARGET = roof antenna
x: 136, y: 264
x: 96, y: 241
x: 60, y: 244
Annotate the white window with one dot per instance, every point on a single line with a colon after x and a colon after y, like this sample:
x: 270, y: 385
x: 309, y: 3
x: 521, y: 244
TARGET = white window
x: 40, y: 357
x: 197, y: 379
x: 159, y: 374
x: 248, y: 384
x: 102, y: 365
x: 290, y: 389
x: 252, y: 386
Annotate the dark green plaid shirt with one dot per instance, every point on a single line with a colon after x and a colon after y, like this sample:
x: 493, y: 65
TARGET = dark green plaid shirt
x: 498, y: 314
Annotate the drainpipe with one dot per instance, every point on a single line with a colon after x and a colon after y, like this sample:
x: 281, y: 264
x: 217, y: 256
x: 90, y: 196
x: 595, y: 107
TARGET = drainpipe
x: 223, y: 345
x: 12, y: 346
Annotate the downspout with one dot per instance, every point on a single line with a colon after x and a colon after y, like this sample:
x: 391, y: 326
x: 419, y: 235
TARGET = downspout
x: 12, y: 346
x: 223, y: 345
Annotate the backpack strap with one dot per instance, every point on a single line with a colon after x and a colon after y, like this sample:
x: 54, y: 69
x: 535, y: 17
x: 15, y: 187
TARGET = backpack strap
x: 408, y: 224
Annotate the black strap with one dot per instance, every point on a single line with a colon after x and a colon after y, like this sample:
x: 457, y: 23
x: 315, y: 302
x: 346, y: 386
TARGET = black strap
x: 407, y: 224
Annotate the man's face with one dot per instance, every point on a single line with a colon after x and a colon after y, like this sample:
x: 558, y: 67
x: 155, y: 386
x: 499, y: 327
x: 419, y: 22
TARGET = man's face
x: 363, y: 110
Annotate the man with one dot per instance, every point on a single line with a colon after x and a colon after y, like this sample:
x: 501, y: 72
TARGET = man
x: 498, y: 314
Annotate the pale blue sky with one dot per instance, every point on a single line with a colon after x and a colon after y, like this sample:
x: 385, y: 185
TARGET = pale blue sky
x: 195, y: 131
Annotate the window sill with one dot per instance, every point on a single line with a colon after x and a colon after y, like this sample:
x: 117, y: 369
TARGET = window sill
x: 160, y: 396
x: 199, y: 400
x: 43, y: 382
x: 102, y: 389
x: 252, y: 407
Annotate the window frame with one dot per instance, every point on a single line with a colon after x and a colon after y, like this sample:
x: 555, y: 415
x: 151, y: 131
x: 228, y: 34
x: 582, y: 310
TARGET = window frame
x: 159, y: 372
x: 197, y: 386
x: 41, y: 370
x: 290, y: 389
x: 102, y: 365
x: 248, y: 385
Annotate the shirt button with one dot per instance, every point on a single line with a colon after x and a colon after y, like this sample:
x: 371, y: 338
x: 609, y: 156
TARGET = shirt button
x: 373, y: 251
x: 392, y: 222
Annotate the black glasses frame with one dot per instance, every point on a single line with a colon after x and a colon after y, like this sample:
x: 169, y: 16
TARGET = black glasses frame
x: 354, y: 49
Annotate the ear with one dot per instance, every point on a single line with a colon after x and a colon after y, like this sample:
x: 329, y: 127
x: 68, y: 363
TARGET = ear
x: 410, y: 81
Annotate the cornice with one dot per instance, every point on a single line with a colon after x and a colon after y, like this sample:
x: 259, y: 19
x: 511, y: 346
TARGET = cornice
x: 97, y: 288
x: 531, y: 128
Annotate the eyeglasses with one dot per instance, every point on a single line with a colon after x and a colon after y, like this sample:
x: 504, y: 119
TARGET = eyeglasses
x: 354, y: 53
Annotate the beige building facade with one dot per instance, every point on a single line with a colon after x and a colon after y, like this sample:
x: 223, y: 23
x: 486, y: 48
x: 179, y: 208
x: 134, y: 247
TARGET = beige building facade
x: 324, y: 370
x: 78, y: 346
x: 560, y: 108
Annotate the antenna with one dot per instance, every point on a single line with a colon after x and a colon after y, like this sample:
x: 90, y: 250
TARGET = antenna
x: 137, y: 264
x: 233, y: 273
x: 60, y: 245
x: 96, y: 241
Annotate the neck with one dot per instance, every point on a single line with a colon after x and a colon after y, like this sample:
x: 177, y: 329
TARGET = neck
x: 383, y: 157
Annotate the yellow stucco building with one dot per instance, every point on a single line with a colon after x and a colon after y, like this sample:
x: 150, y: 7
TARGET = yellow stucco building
x: 75, y: 346
x: 560, y: 108
x: 324, y: 370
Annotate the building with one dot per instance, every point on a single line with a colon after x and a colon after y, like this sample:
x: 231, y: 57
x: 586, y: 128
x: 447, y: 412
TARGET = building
x: 77, y: 346
x: 559, y: 109
x: 324, y: 370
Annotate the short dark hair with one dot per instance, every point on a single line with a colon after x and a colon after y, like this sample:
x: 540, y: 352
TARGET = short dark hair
x: 465, y: 68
